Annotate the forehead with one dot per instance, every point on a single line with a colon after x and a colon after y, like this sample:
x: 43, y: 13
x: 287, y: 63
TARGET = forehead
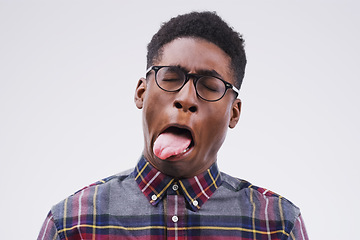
x: 196, y: 55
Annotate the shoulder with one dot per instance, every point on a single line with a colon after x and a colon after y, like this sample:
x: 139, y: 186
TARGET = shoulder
x: 106, y: 182
x: 259, y: 197
x: 83, y: 199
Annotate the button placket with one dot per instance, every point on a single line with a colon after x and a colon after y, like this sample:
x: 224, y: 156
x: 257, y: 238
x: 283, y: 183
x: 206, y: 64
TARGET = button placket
x: 176, y: 209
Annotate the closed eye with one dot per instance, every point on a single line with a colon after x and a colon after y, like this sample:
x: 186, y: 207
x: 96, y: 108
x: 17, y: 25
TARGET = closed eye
x: 170, y: 79
x: 209, y: 87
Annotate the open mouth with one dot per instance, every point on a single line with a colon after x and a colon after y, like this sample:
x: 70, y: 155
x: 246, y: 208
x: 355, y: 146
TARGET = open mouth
x: 174, y: 141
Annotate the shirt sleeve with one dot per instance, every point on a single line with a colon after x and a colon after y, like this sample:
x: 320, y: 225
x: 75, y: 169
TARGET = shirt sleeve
x: 48, y: 230
x: 299, y: 230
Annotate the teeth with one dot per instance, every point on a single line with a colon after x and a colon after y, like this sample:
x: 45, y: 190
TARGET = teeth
x: 185, y: 150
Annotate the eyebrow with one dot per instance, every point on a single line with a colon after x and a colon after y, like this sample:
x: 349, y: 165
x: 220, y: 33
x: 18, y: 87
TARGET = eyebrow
x: 204, y: 72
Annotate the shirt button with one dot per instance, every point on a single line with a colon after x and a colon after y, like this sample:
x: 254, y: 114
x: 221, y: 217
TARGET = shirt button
x: 175, y: 219
x: 195, y: 203
x: 154, y: 197
x: 175, y: 187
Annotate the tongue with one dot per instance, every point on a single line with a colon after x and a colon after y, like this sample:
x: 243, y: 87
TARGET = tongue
x: 170, y: 144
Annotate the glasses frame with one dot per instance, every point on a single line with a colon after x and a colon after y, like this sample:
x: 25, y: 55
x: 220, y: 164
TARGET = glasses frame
x: 195, y: 77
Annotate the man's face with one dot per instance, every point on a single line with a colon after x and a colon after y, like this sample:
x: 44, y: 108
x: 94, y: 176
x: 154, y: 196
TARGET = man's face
x: 183, y: 112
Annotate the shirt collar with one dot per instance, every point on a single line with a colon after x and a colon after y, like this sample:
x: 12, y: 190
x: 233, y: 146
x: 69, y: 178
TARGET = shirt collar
x: 196, y: 190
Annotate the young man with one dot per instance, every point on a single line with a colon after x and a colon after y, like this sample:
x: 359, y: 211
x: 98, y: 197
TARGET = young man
x: 196, y: 64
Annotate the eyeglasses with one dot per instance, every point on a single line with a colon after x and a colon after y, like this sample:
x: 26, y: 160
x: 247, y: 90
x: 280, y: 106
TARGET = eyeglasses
x: 173, y: 79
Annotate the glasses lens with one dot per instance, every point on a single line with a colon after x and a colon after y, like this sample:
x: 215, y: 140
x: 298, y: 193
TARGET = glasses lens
x: 210, y: 88
x: 170, y: 78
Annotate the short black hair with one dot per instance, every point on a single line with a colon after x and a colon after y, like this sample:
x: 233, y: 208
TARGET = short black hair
x: 205, y: 25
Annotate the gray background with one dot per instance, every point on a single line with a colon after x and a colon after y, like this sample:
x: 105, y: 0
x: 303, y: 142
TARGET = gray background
x: 68, y: 70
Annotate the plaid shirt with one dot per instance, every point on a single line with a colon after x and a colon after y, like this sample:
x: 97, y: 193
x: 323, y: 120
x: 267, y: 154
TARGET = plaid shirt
x: 147, y: 204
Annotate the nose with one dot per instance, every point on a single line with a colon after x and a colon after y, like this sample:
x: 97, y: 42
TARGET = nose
x: 186, y: 99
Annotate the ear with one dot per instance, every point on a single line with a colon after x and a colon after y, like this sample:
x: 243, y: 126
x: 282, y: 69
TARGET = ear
x: 235, y: 113
x: 140, y: 93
